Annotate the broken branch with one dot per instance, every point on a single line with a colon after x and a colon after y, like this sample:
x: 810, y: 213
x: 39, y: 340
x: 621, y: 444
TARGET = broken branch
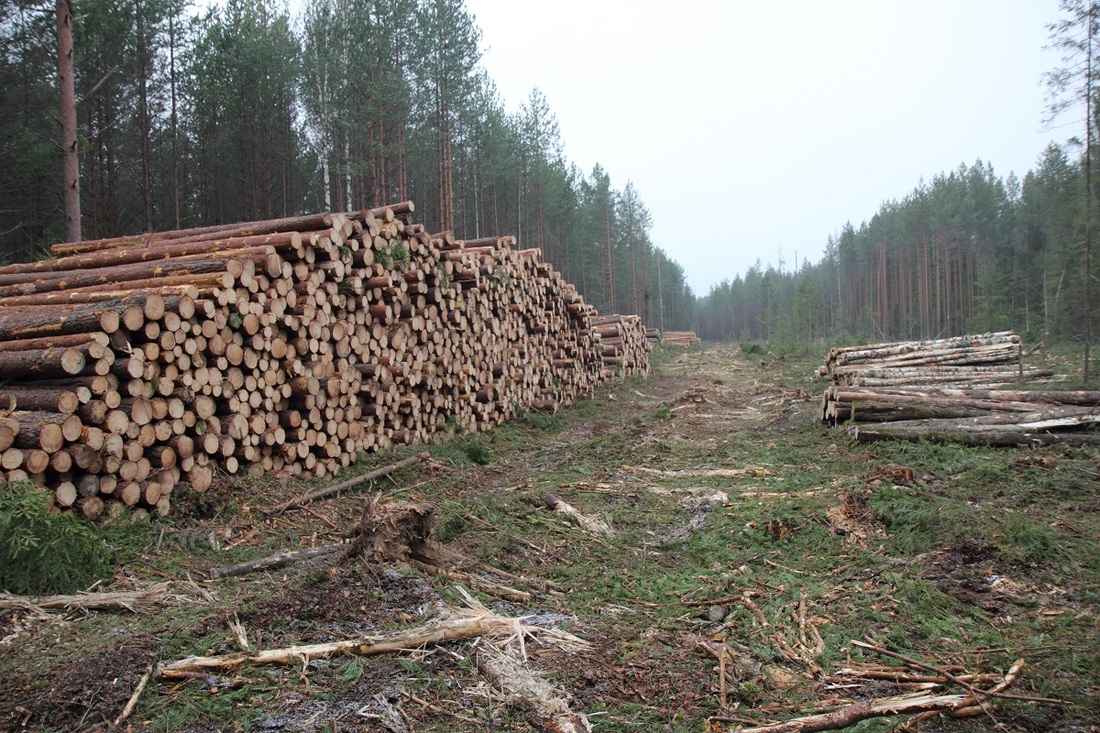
x: 274, y: 562
x: 595, y: 525
x: 136, y: 601
x: 459, y: 625
x: 349, y: 484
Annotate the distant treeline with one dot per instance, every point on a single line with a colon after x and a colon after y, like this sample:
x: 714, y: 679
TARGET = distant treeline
x: 242, y: 112
x: 966, y: 252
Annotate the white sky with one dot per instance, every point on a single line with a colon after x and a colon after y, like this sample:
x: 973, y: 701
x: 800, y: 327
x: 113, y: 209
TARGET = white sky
x: 752, y: 129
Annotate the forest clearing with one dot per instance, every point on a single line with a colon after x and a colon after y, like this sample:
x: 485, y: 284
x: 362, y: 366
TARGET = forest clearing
x: 691, y: 550
x: 542, y: 458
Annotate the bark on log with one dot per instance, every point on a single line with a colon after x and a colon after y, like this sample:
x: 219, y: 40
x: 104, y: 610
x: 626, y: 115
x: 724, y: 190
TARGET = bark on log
x: 218, y: 231
x: 1001, y: 436
x: 274, y: 562
x: 349, y: 484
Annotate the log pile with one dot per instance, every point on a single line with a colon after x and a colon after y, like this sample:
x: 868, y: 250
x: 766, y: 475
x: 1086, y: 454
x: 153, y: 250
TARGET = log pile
x: 624, y: 348
x: 653, y: 336
x: 893, y: 404
x: 981, y: 360
x: 681, y: 338
x: 938, y: 391
x: 132, y: 364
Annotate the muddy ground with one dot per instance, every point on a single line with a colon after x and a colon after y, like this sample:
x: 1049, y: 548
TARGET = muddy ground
x: 738, y: 522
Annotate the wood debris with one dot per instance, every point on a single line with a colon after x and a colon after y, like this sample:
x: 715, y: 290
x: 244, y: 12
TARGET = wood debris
x: 458, y: 624
x: 926, y: 700
x: 528, y: 690
x: 709, y: 473
x: 393, y: 532
x: 141, y: 600
x: 587, y: 522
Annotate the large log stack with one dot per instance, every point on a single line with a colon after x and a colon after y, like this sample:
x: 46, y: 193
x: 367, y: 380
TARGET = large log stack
x: 133, y: 364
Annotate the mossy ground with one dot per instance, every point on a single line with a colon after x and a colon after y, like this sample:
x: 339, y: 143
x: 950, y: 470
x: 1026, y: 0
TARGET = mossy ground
x: 965, y: 556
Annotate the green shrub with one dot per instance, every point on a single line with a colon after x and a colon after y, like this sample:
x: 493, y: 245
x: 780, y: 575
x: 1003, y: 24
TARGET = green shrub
x: 476, y: 450
x: 464, y: 450
x: 43, y: 552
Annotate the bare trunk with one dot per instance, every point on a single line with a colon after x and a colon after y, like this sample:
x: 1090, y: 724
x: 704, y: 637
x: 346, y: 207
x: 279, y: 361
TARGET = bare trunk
x: 70, y: 166
x: 175, y: 119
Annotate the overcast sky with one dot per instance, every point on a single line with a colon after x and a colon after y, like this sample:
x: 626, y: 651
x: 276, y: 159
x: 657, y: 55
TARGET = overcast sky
x: 754, y: 130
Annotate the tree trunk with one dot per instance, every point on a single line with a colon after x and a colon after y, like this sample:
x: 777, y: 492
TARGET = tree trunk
x: 70, y: 166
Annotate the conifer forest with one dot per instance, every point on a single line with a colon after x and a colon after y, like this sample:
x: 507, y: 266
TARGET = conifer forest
x: 195, y: 114
x: 189, y: 117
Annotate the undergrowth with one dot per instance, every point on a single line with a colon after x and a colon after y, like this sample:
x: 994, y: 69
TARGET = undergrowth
x: 44, y: 552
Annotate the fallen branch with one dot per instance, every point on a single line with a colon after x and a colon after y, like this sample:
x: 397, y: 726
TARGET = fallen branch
x: 136, y: 601
x: 746, y: 599
x: 485, y: 586
x: 349, y: 484
x: 976, y: 704
x: 721, y: 652
x: 461, y: 624
x: 132, y: 702
x: 711, y: 473
x: 595, y: 525
x: 953, y: 678
x: 438, y: 710
x: 274, y: 562
x: 546, y: 586
x: 851, y: 714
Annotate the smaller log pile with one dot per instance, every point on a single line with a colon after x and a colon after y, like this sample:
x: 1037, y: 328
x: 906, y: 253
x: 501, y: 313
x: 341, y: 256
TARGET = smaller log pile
x: 681, y: 338
x: 951, y: 391
x: 653, y: 335
x: 988, y: 359
x: 624, y: 346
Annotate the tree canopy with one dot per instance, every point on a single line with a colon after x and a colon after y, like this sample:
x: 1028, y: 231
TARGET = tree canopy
x: 242, y: 112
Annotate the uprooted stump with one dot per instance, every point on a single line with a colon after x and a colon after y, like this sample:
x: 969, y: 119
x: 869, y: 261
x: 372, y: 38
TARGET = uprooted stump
x: 393, y: 532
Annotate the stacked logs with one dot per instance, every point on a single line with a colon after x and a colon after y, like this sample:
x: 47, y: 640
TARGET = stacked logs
x: 624, y: 348
x: 951, y: 390
x: 985, y: 359
x: 1004, y: 417
x: 132, y: 364
x: 898, y: 404
x: 681, y: 338
x: 653, y: 336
